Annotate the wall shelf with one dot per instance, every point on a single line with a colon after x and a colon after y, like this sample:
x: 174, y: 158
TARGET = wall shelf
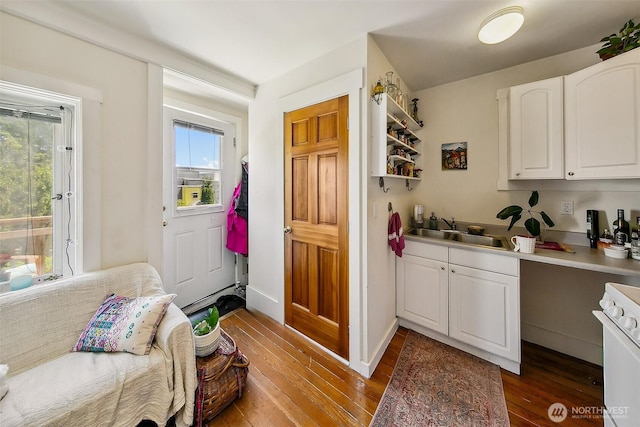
x: 396, y: 147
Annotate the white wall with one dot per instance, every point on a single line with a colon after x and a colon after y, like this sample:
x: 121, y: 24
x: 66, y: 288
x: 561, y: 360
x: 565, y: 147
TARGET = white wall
x: 381, y: 291
x: 314, y: 82
x: 114, y: 133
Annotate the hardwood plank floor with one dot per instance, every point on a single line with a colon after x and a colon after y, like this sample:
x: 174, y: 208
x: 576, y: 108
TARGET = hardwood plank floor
x: 293, y: 383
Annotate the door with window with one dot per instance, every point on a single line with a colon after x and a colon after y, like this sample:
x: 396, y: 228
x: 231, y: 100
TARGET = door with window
x: 316, y: 213
x: 198, y: 185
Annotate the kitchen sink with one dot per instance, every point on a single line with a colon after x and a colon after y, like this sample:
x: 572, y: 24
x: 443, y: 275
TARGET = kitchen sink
x: 493, y: 241
x: 434, y: 234
x: 472, y: 239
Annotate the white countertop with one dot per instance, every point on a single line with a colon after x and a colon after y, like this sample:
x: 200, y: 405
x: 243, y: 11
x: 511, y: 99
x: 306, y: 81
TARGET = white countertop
x: 584, y: 258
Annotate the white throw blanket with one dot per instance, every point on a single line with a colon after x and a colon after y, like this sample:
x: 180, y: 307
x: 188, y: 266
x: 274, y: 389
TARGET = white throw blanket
x: 51, y: 386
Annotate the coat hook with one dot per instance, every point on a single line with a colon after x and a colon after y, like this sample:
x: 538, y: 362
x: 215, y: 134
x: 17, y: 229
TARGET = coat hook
x: 408, y: 188
x: 381, y: 183
x: 390, y: 207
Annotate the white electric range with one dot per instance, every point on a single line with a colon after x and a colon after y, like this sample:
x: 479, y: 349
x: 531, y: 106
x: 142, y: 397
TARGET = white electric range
x: 620, y: 318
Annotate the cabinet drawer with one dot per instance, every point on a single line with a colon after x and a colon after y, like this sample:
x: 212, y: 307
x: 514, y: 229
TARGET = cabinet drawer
x: 425, y: 250
x: 485, y: 261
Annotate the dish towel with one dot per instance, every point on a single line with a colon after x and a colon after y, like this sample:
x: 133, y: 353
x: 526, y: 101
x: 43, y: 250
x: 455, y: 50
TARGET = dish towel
x: 396, y: 239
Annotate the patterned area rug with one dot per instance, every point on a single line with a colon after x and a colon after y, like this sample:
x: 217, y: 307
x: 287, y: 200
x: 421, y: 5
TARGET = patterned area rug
x: 434, y: 384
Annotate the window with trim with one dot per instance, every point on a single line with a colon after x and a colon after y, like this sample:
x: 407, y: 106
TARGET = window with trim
x: 198, y: 166
x: 38, y: 200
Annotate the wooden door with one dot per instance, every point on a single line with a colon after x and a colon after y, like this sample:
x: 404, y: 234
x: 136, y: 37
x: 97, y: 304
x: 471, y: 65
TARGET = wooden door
x: 316, y: 233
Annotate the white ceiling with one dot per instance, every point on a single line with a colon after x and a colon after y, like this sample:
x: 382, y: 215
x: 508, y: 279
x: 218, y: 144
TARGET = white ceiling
x: 429, y: 42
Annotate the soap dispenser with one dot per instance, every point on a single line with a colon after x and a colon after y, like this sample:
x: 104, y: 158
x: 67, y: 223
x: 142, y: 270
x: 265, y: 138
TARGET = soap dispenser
x: 433, y: 221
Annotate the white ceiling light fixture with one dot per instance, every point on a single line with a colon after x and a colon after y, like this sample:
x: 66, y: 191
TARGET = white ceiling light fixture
x: 501, y: 25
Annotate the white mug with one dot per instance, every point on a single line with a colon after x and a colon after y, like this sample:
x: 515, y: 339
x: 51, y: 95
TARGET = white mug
x: 524, y: 244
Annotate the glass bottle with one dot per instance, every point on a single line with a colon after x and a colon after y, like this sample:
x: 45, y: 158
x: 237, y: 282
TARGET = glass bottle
x: 390, y: 87
x: 635, y: 240
x: 621, y: 229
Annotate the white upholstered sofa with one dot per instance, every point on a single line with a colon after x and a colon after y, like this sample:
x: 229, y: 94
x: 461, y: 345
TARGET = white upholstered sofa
x: 51, y: 386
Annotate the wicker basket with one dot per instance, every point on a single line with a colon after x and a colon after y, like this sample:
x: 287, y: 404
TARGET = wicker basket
x: 221, y: 379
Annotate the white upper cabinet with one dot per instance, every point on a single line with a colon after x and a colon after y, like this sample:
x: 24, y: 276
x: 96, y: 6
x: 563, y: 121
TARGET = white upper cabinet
x: 602, y: 119
x: 536, y: 132
x: 582, y: 126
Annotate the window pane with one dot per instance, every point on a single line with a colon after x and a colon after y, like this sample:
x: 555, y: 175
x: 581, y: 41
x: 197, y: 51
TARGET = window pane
x: 26, y: 179
x: 197, y: 165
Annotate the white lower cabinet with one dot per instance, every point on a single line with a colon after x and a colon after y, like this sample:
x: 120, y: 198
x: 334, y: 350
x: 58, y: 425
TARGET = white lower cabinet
x: 470, y: 299
x: 422, y: 292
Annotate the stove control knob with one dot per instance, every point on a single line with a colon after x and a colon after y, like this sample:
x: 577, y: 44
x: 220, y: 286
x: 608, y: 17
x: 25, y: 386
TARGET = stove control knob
x: 628, y: 322
x: 606, y: 303
x: 614, y: 312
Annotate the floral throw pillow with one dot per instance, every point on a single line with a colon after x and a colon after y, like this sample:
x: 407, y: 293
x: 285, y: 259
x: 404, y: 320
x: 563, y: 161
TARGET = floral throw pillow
x: 124, y: 324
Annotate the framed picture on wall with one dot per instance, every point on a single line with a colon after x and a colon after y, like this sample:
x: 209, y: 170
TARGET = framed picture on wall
x: 454, y: 156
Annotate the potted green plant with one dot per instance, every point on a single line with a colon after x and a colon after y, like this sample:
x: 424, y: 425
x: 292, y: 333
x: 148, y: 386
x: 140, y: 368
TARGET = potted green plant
x: 531, y: 224
x: 207, y: 333
x: 626, y: 39
x: 525, y: 244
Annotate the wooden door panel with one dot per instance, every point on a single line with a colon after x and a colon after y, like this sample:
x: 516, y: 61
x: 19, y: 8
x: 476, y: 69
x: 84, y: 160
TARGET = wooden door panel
x: 300, y: 133
x: 327, y: 127
x: 325, y: 332
x: 300, y: 191
x: 316, y: 209
x: 328, y: 189
x: 300, y: 273
x: 328, y: 284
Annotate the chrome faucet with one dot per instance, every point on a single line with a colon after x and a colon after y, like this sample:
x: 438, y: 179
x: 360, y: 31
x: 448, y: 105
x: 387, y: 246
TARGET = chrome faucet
x: 451, y: 225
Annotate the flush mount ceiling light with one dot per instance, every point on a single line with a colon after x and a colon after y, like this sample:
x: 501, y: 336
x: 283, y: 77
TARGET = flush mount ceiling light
x: 501, y: 25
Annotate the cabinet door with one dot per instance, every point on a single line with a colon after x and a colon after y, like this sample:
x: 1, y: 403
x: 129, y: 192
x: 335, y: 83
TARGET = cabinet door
x: 422, y: 292
x: 602, y: 119
x: 536, y: 131
x: 484, y: 310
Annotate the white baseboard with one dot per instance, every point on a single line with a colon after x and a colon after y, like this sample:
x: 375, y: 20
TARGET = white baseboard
x: 264, y: 304
x: 507, y: 364
x: 368, y: 368
x: 573, y: 346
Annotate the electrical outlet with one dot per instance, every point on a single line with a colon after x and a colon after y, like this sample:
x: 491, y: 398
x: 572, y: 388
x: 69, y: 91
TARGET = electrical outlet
x: 566, y: 207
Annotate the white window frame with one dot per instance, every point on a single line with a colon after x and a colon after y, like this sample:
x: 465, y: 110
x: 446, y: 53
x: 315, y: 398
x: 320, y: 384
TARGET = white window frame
x: 68, y: 241
x: 173, y: 112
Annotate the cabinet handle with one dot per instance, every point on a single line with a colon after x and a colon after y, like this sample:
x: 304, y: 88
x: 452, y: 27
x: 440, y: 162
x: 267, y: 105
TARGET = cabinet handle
x: 442, y: 268
x: 517, y: 173
x: 453, y: 271
x: 571, y: 173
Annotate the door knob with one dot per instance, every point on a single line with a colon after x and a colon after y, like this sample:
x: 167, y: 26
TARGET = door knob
x: 287, y: 230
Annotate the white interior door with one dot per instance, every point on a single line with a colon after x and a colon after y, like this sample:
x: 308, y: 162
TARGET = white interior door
x: 199, y: 178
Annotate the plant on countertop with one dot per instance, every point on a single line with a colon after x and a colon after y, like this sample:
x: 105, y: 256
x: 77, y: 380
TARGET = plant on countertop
x: 531, y: 224
x: 626, y: 39
x: 208, y: 324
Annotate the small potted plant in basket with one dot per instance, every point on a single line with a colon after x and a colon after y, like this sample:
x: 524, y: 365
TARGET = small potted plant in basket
x: 525, y: 243
x: 207, y: 333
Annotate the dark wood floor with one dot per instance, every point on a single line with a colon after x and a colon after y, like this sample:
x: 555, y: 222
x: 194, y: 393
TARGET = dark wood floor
x: 292, y: 383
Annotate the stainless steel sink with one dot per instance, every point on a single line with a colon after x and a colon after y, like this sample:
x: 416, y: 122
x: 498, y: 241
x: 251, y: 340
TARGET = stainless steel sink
x: 483, y: 240
x: 493, y: 241
x: 434, y: 234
